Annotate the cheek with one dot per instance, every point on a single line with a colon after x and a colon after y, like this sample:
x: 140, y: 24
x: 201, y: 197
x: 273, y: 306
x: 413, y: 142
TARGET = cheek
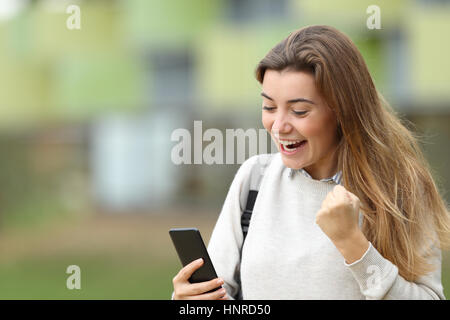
x: 310, y: 129
x: 322, y: 130
x: 267, y: 122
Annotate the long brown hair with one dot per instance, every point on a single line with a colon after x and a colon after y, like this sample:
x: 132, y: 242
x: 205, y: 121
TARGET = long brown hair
x: 380, y: 158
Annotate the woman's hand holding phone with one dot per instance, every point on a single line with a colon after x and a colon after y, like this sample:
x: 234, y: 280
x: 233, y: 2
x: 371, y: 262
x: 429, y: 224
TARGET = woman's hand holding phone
x: 184, y: 290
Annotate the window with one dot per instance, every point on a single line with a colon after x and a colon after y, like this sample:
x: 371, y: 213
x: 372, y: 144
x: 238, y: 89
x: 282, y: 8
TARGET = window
x: 172, y: 82
x: 253, y: 10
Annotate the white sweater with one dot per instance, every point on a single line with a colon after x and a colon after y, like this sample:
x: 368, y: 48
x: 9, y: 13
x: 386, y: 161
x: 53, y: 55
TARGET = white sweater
x: 287, y: 256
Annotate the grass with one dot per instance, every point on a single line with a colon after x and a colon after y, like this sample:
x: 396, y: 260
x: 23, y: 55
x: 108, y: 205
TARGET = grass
x: 102, y: 277
x: 120, y: 257
x: 124, y: 257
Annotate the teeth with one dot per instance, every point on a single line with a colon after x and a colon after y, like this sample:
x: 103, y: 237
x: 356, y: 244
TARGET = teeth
x: 286, y: 142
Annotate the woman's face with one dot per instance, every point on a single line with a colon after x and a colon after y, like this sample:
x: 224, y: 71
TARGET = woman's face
x: 301, y: 124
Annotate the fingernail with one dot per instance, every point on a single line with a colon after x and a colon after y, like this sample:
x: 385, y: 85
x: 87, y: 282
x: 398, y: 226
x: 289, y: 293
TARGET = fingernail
x: 199, y: 260
x: 220, y: 281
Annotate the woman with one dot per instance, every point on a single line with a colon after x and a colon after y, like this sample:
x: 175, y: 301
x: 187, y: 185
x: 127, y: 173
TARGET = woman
x: 347, y: 209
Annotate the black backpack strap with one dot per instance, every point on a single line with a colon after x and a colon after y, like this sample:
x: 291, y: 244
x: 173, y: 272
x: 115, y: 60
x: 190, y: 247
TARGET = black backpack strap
x: 251, y: 190
x: 247, y: 214
x: 256, y: 176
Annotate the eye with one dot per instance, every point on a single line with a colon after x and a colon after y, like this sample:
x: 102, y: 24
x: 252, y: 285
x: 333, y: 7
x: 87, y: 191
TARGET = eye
x: 268, y: 108
x: 299, y: 113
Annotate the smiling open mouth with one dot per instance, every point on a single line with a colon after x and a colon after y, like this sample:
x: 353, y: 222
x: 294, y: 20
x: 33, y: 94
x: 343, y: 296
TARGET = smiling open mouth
x: 291, y: 146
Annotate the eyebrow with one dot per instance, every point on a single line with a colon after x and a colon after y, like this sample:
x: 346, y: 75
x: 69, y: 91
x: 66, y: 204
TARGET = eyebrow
x: 289, y: 101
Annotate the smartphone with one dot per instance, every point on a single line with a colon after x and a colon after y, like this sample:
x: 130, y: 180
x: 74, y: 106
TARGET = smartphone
x: 190, y: 246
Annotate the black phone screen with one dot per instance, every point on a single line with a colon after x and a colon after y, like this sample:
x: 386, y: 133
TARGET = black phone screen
x: 190, y: 246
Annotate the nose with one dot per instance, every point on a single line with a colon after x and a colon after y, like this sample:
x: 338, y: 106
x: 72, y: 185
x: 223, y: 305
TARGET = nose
x: 281, y: 124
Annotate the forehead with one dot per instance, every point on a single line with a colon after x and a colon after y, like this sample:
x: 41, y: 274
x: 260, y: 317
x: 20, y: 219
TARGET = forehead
x: 289, y: 84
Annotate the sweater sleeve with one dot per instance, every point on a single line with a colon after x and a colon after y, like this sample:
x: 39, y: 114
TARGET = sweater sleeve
x: 226, y: 239
x: 378, y: 278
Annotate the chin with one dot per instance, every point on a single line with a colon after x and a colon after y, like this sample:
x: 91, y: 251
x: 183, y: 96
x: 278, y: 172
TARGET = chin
x: 292, y: 163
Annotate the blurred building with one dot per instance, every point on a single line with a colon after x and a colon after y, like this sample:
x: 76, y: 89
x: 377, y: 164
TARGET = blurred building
x: 138, y: 69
